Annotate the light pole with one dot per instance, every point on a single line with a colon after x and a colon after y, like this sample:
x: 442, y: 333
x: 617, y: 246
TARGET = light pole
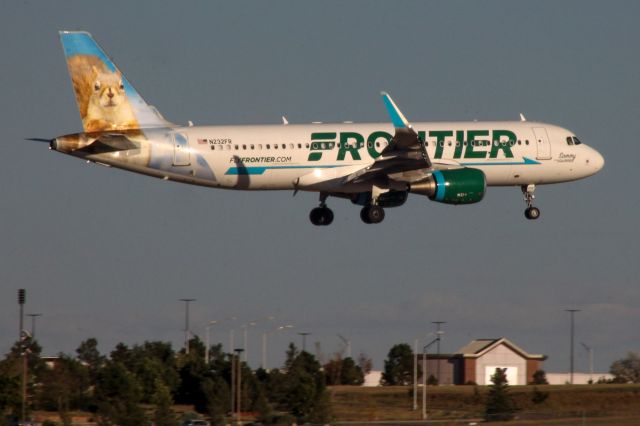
x: 415, y: 374
x: 304, y: 340
x: 22, y: 298
x: 439, y: 334
x: 424, y: 376
x: 347, y: 344
x: 208, y: 329
x: 264, y: 342
x: 246, y: 329
x: 33, y: 324
x: 239, y: 385
x: 590, y: 350
x: 571, y: 312
x: 186, y: 323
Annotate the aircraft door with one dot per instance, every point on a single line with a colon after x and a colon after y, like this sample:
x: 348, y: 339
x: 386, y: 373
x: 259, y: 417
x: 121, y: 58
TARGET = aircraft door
x: 180, y: 150
x: 542, y: 143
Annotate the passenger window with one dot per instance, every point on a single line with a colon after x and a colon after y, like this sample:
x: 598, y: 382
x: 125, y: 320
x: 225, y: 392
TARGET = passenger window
x: 228, y: 147
x: 235, y: 147
x: 244, y: 147
x: 290, y: 146
x: 299, y: 146
x: 275, y: 146
x: 526, y: 142
x: 519, y: 142
x: 306, y: 145
x: 252, y: 146
x: 284, y: 146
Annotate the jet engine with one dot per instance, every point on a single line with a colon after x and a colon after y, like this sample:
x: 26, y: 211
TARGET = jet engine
x: 457, y: 186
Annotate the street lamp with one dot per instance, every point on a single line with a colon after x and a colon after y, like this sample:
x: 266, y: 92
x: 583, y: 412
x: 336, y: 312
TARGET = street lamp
x: 33, y: 324
x: 186, y: 323
x: 304, y: 340
x: 439, y: 334
x: 246, y: 329
x: 264, y: 342
x: 424, y: 376
x: 590, y: 350
x: 571, y: 312
x: 208, y: 334
x: 239, y: 384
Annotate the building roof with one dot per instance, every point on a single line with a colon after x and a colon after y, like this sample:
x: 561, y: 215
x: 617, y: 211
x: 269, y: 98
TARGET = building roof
x: 477, y: 348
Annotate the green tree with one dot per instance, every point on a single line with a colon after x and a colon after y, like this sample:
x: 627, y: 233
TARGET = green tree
x: 118, y: 394
x: 163, y: 415
x: 89, y: 355
x: 302, y: 389
x: 500, y: 406
x: 339, y: 371
x: 626, y: 370
x: 539, y: 378
x: 64, y: 387
x: 398, y: 367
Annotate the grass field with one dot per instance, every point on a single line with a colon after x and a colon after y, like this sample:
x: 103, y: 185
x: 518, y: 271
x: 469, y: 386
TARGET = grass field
x: 565, y: 404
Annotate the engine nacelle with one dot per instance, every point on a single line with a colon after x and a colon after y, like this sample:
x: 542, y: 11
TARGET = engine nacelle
x: 457, y: 186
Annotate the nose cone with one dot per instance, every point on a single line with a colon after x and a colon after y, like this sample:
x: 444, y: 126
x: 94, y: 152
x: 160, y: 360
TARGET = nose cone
x: 593, y: 161
x: 597, y: 161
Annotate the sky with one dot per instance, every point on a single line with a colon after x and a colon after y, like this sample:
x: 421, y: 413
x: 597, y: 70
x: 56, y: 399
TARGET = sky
x: 107, y: 254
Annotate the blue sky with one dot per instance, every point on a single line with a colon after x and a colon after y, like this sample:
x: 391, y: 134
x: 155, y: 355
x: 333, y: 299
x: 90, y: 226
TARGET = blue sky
x: 108, y: 254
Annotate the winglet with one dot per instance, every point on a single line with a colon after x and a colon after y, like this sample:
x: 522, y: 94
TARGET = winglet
x: 397, y: 117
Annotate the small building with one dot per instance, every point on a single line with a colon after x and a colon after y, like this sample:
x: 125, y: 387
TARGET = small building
x: 477, y: 362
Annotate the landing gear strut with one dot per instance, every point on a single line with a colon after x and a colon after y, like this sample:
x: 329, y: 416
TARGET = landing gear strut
x: 323, y: 215
x: 530, y: 212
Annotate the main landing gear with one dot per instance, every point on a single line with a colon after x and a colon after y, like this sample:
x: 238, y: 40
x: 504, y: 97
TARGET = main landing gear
x: 323, y: 215
x: 530, y: 212
x: 372, y: 214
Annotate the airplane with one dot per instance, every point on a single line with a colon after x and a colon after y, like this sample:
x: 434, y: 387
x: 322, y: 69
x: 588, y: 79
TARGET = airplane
x: 374, y: 165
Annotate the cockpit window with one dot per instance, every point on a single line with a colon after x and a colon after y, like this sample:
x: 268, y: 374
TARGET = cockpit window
x: 569, y: 140
x: 576, y: 141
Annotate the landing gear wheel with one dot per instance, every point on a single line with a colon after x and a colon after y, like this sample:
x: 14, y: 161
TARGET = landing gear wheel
x: 321, y: 216
x: 532, y: 213
x: 372, y: 214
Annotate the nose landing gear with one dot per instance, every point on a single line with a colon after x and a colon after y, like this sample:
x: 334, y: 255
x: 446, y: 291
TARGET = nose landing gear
x: 530, y: 212
x: 323, y: 215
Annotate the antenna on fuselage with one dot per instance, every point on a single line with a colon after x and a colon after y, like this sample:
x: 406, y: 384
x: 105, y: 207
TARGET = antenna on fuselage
x: 522, y: 117
x: 284, y: 120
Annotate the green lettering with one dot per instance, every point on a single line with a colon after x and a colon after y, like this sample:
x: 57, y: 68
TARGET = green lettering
x: 459, y: 139
x: 502, y: 145
x: 371, y: 142
x: 351, y: 148
x: 471, y: 137
x: 440, y: 136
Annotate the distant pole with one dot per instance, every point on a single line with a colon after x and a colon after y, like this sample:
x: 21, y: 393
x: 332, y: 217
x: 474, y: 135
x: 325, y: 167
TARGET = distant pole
x: 186, y: 323
x: 415, y: 374
x: 264, y: 343
x: 233, y: 385
x: 571, y: 312
x: 590, y: 351
x: 22, y: 298
x: 439, y: 335
x: 304, y: 340
x: 425, y: 348
x: 239, y: 385
x: 33, y: 324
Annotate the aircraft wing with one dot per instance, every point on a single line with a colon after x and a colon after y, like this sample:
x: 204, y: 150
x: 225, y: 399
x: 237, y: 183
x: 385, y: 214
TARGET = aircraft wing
x: 405, y: 156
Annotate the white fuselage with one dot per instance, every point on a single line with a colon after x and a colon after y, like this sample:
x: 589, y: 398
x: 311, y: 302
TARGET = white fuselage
x: 281, y: 157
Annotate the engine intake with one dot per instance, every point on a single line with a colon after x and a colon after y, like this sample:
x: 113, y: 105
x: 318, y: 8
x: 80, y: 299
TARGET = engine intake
x: 458, y: 186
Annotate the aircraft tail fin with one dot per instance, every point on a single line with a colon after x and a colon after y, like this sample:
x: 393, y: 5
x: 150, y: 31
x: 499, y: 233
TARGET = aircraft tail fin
x: 106, y: 99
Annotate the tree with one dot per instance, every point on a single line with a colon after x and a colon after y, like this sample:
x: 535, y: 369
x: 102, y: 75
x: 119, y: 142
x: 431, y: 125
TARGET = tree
x: 118, y: 394
x: 64, y: 387
x: 163, y: 415
x: 539, y: 378
x: 398, y: 367
x: 626, y: 370
x: 88, y: 354
x: 365, y: 363
x: 500, y: 405
x: 341, y: 371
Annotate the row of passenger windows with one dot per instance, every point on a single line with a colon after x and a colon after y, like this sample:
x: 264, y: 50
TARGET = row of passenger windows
x: 572, y: 140
x: 326, y: 145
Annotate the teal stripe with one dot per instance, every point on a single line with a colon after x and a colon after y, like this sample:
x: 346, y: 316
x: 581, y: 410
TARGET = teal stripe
x: 261, y: 169
x: 440, y: 185
x: 526, y: 161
